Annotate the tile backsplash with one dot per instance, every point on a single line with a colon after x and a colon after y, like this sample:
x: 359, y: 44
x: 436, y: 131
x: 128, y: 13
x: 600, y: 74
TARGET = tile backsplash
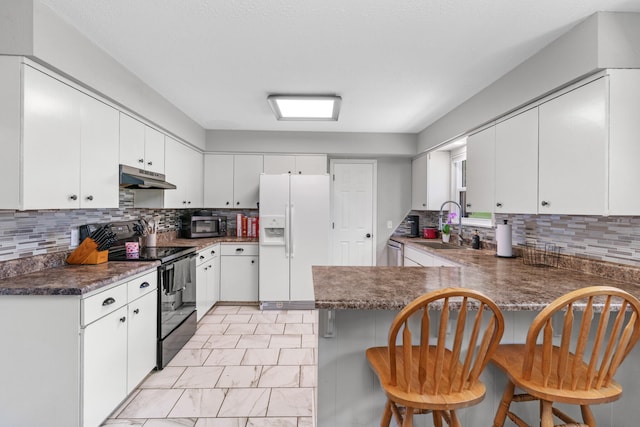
x: 611, y: 239
x: 28, y: 233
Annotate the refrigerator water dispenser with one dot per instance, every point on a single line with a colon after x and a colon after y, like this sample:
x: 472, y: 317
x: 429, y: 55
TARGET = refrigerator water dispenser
x: 273, y: 229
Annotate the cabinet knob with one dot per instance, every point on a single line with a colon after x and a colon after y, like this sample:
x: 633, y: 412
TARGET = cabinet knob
x: 184, y: 202
x: 136, y: 311
x: 89, y: 197
x: 213, y: 252
x: 73, y: 197
x: 253, y: 261
x: 188, y: 202
x: 123, y: 319
x: 108, y: 301
x: 424, y: 204
x: 227, y: 203
x: 144, y: 285
x: 237, y: 203
x: 206, y: 268
x: 201, y: 256
x: 239, y: 249
x: 544, y: 203
x: 140, y: 160
x: 299, y: 172
x: 499, y: 205
x: 468, y: 205
x: 289, y: 172
x: 368, y: 236
x: 211, y: 266
x: 150, y: 163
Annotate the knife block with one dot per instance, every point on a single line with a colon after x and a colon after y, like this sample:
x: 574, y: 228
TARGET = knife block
x: 88, y: 253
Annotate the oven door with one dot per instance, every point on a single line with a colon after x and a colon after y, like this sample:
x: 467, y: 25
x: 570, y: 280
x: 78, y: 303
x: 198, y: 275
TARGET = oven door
x: 177, y: 293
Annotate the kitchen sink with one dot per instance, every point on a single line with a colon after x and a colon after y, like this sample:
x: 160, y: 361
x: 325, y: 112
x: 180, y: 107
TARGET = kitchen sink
x: 438, y: 245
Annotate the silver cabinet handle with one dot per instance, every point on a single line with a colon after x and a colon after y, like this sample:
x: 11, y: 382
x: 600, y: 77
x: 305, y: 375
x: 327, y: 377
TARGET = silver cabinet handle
x: 108, y: 301
x: 239, y: 249
x: 144, y: 285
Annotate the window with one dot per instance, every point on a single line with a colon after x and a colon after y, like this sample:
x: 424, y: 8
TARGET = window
x: 459, y: 191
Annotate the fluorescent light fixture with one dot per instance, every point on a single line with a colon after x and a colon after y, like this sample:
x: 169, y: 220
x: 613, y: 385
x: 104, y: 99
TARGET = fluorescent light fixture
x: 305, y: 107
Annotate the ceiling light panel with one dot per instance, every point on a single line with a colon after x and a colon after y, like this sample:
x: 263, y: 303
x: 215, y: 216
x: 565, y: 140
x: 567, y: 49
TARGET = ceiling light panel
x: 302, y: 107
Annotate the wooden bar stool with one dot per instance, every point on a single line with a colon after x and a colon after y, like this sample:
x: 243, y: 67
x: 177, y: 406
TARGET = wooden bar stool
x: 579, y: 368
x: 443, y: 377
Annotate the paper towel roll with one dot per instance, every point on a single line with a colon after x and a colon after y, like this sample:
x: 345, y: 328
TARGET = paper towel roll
x: 503, y: 240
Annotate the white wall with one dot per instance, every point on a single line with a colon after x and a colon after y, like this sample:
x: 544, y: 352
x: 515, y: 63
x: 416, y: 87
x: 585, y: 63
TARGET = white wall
x: 603, y: 40
x: 331, y: 143
x: 30, y: 28
x: 394, y: 200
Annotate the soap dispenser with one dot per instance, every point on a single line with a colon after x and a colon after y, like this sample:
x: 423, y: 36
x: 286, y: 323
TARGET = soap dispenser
x: 475, y: 241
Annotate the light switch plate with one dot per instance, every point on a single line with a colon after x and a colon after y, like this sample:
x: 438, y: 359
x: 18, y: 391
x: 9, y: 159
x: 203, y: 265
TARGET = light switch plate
x: 75, y: 237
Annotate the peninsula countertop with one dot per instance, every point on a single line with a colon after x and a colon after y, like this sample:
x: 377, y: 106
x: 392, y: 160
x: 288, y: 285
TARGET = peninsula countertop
x: 513, y: 285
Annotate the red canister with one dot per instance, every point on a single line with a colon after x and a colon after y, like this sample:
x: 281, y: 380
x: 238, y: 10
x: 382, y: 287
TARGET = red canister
x: 429, y: 233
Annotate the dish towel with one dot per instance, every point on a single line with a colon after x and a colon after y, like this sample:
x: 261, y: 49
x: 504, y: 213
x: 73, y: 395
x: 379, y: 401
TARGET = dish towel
x: 181, y: 275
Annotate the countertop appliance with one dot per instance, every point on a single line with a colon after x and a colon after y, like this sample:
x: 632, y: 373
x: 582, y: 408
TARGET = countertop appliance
x: 176, y: 285
x: 294, y: 235
x: 395, y: 254
x: 203, y: 224
x: 414, y: 223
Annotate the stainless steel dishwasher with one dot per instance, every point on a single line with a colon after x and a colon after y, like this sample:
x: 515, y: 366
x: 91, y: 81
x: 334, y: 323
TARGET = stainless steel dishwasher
x: 395, y: 255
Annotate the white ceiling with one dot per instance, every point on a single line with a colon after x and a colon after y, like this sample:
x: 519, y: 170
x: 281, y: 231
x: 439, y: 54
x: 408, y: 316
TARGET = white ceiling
x: 399, y: 65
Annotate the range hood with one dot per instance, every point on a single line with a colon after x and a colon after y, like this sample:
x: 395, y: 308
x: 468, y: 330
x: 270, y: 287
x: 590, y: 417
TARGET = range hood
x: 135, y: 178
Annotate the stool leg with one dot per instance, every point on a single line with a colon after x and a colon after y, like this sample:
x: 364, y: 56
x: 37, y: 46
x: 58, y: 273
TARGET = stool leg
x: 587, y: 416
x: 455, y: 422
x: 408, y: 418
x: 546, y: 413
x: 507, y: 397
x: 386, y: 415
x: 437, y: 419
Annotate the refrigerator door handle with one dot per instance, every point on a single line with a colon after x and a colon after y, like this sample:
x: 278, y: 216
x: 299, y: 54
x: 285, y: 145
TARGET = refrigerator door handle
x: 291, y: 240
x: 287, y: 224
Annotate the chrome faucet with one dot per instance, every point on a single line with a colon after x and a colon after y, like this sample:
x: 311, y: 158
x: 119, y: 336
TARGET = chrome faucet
x: 441, y: 216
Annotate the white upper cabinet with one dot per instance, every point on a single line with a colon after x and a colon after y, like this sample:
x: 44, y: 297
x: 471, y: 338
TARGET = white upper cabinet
x: 624, y: 149
x: 232, y: 180
x: 295, y: 164
x: 481, y: 170
x: 69, y: 147
x: 430, y: 180
x: 184, y: 169
x: 140, y: 145
x: 516, y: 179
x: 218, y: 180
x: 246, y: 180
x: 573, y: 147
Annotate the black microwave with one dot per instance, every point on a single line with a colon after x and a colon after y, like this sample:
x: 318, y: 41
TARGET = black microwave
x: 203, y: 224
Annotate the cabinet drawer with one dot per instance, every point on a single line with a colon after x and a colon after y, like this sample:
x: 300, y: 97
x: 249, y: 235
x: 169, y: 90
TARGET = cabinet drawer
x: 142, y: 285
x: 103, y: 303
x: 207, y: 254
x: 418, y: 257
x: 241, y: 249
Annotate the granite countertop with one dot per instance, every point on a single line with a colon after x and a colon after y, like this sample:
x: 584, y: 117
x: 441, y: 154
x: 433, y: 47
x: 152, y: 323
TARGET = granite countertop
x: 73, y: 279
x: 82, y: 279
x: 511, y: 284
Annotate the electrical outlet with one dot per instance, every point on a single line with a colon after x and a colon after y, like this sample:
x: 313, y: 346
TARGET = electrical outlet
x: 75, y: 237
x: 389, y: 224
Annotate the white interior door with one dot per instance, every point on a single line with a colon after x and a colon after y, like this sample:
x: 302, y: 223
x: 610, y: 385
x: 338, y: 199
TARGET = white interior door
x: 353, y: 211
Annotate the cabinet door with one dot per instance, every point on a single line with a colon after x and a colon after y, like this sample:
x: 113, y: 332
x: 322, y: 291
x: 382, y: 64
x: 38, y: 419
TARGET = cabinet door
x: 51, y: 143
x: 480, y: 171
x: 516, y: 181
x: 419, y: 183
x: 311, y: 165
x: 154, y: 150
x: 573, y: 148
x: 438, y: 179
x: 201, y: 290
x: 275, y: 164
x: 142, y: 338
x: 246, y: 180
x: 99, y: 154
x: 131, y: 141
x: 104, y: 354
x: 194, y: 190
x: 218, y: 180
x: 239, y: 278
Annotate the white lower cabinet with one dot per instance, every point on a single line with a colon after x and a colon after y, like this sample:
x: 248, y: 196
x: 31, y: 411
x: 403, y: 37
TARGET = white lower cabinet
x: 416, y: 258
x: 73, y: 358
x: 239, y: 272
x: 207, y: 279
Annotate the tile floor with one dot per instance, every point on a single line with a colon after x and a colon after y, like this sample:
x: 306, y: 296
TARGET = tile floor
x: 243, y: 368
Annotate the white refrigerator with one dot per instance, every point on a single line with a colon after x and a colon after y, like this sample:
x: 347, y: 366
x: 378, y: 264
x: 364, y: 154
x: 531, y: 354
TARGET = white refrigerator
x: 294, y: 235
